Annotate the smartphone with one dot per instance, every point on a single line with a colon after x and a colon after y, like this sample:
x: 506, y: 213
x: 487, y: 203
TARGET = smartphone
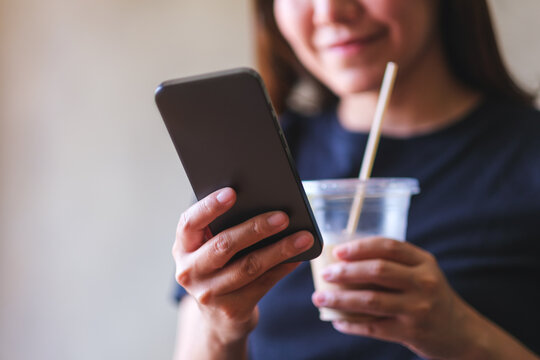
x: 226, y: 133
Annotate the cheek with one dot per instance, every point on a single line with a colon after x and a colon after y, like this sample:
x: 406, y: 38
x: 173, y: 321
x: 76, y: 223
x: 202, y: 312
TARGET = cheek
x: 292, y: 18
x: 412, y: 25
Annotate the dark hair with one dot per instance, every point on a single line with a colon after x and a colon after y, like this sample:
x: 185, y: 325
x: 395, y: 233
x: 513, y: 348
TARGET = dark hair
x: 469, y: 45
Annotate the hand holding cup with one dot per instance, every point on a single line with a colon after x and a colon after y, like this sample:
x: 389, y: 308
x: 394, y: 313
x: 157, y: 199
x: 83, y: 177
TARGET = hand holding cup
x: 413, y: 303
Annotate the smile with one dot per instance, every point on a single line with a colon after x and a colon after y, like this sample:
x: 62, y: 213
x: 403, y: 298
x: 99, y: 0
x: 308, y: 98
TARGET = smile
x: 354, y: 45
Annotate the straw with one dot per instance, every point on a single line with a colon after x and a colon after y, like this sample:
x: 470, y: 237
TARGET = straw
x: 372, y: 144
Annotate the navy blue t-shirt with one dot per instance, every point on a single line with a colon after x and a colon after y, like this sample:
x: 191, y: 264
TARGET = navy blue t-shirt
x: 478, y: 212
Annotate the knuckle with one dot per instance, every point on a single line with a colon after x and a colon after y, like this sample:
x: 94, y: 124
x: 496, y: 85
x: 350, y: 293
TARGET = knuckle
x: 372, y: 301
x: 428, y: 283
x: 257, y: 227
x: 222, y: 244
x: 285, y: 251
x: 378, y: 268
x: 183, y: 275
x: 206, y: 205
x: 356, y: 246
x: 251, y: 266
x: 423, y: 309
x: 339, y: 270
x: 333, y: 299
x: 232, y: 312
x: 184, y: 223
x: 393, y: 247
x: 203, y: 297
x: 371, y: 329
x: 368, y: 329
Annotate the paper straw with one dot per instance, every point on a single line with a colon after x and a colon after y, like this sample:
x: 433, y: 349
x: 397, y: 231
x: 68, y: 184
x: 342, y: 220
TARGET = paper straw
x: 372, y: 144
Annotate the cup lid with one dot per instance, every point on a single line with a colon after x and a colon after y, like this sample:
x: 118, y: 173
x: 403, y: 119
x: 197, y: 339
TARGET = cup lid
x: 370, y: 187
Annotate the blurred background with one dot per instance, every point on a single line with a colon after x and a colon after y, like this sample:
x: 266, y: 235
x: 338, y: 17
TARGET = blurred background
x: 90, y: 184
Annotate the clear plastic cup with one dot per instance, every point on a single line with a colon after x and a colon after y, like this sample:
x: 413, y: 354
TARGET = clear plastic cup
x: 384, y: 212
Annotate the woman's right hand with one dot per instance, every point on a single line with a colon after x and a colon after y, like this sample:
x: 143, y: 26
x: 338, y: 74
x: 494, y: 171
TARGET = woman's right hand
x: 226, y: 292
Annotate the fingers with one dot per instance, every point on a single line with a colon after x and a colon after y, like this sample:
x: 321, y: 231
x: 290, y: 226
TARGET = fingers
x: 387, y: 329
x: 370, y: 302
x: 376, y: 271
x: 249, y: 295
x: 192, y: 227
x: 253, y: 265
x: 258, y: 288
x: 383, y: 248
x: 216, y: 252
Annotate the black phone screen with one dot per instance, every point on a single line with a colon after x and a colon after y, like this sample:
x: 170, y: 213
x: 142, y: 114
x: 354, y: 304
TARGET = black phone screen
x: 226, y: 133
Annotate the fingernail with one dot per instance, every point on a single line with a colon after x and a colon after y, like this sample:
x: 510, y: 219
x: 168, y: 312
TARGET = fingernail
x: 342, y: 251
x: 276, y: 219
x: 324, y: 298
x: 339, y: 324
x: 329, y: 273
x: 320, y: 299
x: 225, y: 196
x: 302, y: 241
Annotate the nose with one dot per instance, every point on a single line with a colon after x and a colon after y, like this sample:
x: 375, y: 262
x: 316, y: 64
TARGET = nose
x: 332, y: 11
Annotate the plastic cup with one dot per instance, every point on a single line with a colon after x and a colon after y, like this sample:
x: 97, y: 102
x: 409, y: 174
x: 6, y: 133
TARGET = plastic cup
x: 384, y: 213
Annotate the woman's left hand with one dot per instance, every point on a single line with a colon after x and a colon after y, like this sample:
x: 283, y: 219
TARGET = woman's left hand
x: 413, y: 302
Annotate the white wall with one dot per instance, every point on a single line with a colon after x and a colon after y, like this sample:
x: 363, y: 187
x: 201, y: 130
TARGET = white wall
x: 518, y: 28
x: 90, y: 186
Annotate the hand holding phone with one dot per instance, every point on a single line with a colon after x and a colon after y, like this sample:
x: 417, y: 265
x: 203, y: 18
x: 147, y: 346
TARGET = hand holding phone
x: 227, y: 135
x: 224, y: 293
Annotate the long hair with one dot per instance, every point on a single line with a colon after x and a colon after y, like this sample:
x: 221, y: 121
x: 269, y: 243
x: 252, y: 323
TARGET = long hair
x: 468, y: 41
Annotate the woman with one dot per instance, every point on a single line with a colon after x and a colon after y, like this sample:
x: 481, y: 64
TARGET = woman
x: 465, y: 284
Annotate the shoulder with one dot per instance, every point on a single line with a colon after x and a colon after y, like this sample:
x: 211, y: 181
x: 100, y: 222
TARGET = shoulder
x: 516, y: 131
x: 523, y: 119
x: 513, y: 124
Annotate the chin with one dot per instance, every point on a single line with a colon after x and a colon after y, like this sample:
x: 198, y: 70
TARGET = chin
x: 354, y: 81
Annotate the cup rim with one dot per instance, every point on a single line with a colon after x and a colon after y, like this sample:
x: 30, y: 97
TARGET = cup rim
x: 370, y: 187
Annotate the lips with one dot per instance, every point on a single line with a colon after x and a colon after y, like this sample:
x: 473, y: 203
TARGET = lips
x: 353, y: 43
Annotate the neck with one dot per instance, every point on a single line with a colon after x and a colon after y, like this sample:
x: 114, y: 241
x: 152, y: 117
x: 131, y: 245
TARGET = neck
x: 426, y: 97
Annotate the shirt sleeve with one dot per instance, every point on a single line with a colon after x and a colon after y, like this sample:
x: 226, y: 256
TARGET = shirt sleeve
x: 178, y: 293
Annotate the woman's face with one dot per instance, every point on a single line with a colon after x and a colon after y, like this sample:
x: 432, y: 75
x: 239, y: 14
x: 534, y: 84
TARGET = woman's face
x: 347, y: 43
